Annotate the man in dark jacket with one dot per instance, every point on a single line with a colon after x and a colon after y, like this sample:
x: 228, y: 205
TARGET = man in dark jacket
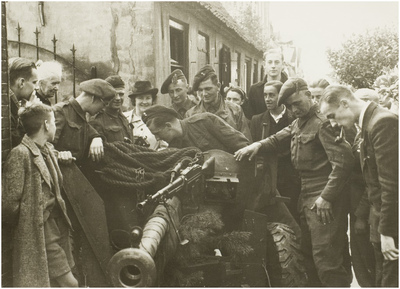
x: 74, y: 133
x: 379, y: 148
x: 324, y: 167
x: 207, y: 86
x: 273, y: 68
x: 111, y: 123
x: 204, y: 131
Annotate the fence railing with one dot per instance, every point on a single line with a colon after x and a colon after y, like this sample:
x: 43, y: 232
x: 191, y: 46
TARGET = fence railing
x: 39, y: 49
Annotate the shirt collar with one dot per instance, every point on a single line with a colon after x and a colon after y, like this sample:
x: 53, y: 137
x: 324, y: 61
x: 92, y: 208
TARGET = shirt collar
x: 279, y: 117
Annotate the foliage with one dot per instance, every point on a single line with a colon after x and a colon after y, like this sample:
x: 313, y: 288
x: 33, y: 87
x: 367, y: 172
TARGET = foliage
x: 251, y: 26
x: 364, y: 57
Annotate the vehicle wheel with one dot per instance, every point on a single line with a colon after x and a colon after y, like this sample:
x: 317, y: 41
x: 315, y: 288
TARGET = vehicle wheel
x: 285, y: 263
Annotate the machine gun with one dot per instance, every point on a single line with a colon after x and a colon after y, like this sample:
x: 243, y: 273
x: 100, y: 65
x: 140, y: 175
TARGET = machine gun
x: 189, y: 176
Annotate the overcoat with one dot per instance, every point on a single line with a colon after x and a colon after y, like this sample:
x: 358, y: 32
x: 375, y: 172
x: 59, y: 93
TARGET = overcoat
x: 25, y: 177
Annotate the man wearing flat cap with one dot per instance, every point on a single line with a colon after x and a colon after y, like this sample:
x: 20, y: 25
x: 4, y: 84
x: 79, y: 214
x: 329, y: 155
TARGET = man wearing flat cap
x: 177, y: 87
x: 205, y: 131
x: 111, y: 123
x: 142, y: 97
x: 324, y: 167
x: 73, y: 132
x: 207, y: 86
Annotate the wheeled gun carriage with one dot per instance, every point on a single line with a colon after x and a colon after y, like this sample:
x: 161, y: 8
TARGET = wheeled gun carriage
x: 194, y: 224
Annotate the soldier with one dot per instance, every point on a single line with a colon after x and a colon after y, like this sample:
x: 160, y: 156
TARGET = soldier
x: 324, y: 167
x: 49, y: 81
x: 33, y: 206
x: 177, y: 87
x: 74, y: 133
x: 207, y: 86
x: 23, y: 78
x: 111, y: 123
x: 379, y: 148
x: 205, y: 131
x: 274, y: 64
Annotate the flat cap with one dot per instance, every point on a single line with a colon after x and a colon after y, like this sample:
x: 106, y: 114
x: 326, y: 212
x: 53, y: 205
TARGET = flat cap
x: 143, y: 87
x: 98, y: 87
x: 172, y: 78
x: 157, y: 110
x: 205, y: 72
x: 291, y: 86
x: 116, y: 81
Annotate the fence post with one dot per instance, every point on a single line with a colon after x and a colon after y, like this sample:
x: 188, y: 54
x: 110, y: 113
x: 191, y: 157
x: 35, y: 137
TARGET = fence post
x: 54, y: 40
x: 37, y: 43
x: 19, y: 40
x: 93, y: 72
x: 73, y: 66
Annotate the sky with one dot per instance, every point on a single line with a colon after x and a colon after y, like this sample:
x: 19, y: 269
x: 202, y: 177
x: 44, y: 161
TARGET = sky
x: 315, y: 26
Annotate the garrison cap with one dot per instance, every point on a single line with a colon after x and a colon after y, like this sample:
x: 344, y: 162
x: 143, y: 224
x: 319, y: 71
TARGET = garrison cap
x: 291, y: 86
x: 172, y: 78
x: 205, y: 72
x: 98, y: 87
x: 157, y: 110
x: 116, y: 81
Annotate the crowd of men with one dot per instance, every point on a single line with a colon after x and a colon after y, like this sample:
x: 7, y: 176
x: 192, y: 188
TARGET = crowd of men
x: 337, y: 157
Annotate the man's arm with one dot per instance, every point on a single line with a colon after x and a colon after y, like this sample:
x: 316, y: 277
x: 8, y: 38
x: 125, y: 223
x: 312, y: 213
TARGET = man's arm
x: 384, y: 138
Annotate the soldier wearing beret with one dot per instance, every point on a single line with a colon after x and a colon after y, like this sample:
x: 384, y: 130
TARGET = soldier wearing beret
x: 204, y: 131
x: 207, y: 86
x: 324, y: 167
x: 142, y: 97
x: 73, y: 132
x: 274, y: 65
x: 177, y: 87
x: 111, y: 123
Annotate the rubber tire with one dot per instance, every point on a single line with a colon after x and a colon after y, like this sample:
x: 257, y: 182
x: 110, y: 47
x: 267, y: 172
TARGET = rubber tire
x: 285, y: 262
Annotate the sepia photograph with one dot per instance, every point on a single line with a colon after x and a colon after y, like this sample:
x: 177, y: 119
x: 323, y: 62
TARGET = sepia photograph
x: 199, y: 144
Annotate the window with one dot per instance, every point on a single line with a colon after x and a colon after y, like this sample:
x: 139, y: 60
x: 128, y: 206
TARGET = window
x: 203, y: 53
x: 255, y: 72
x: 178, y: 46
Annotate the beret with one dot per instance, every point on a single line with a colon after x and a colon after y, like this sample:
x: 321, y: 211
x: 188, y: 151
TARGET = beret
x: 291, y: 86
x: 367, y: 94
x: 143, y: 87
x: 172, y: 78
x: 205, y: 72
x: 157, y: 110
x: 116, y: 81
x: 98, y: 87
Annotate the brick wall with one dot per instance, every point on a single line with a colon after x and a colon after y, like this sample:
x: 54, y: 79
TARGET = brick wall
x: 5, y: 100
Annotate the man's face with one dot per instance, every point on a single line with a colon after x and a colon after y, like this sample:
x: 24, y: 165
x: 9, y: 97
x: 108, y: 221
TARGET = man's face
x: 208, y: 91
x: 143, y: 102
x: 273, y: 65
x: 97, y: 105
x: 164, y: 133
x: 51, y: 127
x: 28, y: 85
x: 48, y: 87
x: 299, y: 103
x: 270, y: 97
x: 342, y: 114
x: 316, y: 93
x: 178, y: 91
x: 116, y: 102
x: 234, y: 97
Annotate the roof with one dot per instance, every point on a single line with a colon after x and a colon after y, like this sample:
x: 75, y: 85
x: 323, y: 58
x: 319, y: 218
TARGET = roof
x: 220, y: 12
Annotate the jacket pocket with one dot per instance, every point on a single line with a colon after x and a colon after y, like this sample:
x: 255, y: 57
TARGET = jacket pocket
x: 306, y: 146
x: 113, y: 133
x: 72, y: 136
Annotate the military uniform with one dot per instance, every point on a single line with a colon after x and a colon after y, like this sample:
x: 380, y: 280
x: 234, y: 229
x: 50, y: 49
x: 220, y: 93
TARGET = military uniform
x: 231, y: 113
x: 113, y: 126
x: 324, y: 167
x: 73, y: 132
x: 182, y: 109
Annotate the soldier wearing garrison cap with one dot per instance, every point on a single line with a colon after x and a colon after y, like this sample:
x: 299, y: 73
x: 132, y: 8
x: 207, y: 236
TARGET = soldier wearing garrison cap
x: 204, y: 131
x: 207, y: 86
x: 73, y: 132
x: 111, y: 123
x: 177, y: 87
x: 324, y: 167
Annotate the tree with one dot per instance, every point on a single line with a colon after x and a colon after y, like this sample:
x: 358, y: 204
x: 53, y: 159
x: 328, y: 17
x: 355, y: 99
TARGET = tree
x: 364, y: 57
